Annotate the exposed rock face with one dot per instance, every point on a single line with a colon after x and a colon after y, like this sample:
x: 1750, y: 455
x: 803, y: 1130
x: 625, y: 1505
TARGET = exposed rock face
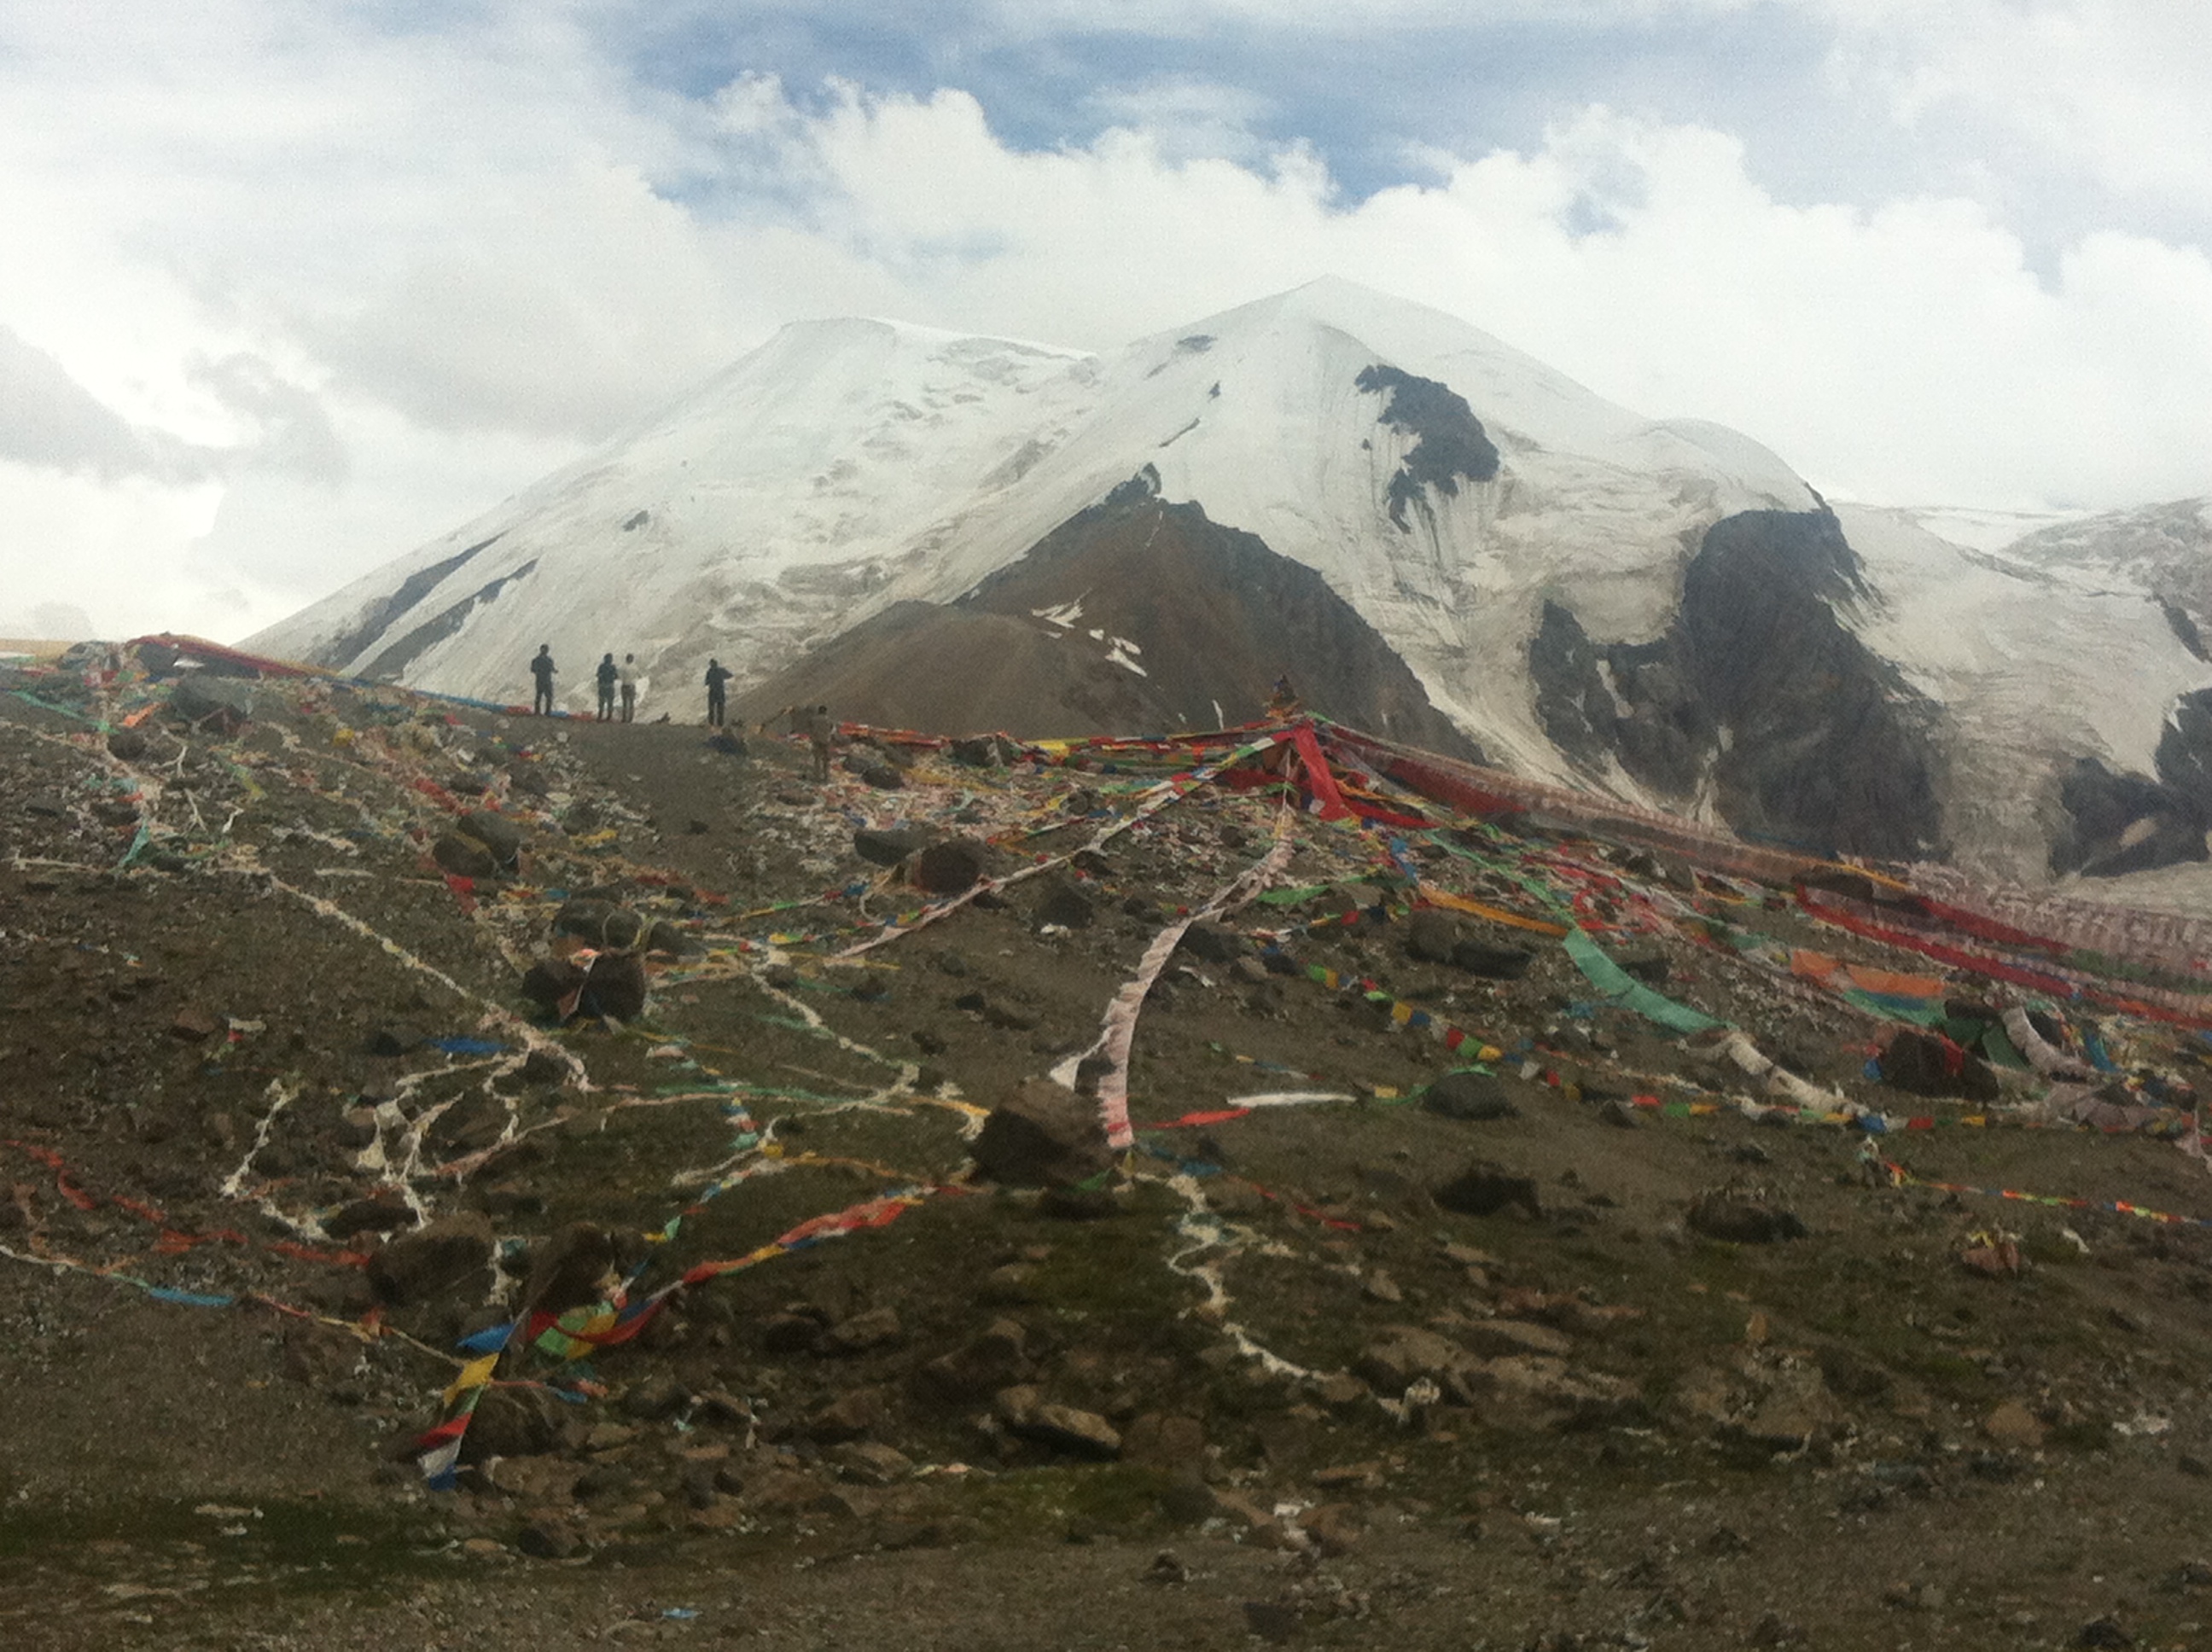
x: 1450, y: 443
x: 1806, y: 736
x: 1215, y: 614
x: 2118, y: 823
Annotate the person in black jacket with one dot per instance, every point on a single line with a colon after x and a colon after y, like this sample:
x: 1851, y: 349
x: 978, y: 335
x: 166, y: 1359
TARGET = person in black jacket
x: 717, y: 675
x: 542, y: 668
x: 608, y: 671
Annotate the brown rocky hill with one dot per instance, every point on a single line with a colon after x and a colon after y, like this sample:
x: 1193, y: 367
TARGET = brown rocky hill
x: 1524, y: 1237
x: 1042, y: 648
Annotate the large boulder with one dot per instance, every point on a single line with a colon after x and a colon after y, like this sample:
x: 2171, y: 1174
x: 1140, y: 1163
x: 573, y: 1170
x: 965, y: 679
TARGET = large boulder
x: 449, y: 1256
x: 1042, y: 1136
x: 217, y: 702
x: 951, y: 867
x: 1477, y: 1097
x: 615, y: 987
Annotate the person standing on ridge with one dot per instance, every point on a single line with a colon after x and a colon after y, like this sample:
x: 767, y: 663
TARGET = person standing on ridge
x: 542, y: 668
x: 819, y: 729
x: 717, y: 675
x: 607, y: 672
x: 628, y: 678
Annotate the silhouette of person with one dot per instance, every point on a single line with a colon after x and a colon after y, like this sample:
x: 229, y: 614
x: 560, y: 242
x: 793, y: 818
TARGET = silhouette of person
x: 542, y: 668
x: 819, y: 729
x: 629, y: 679
x: 717, y: 675
x: 607, y: 672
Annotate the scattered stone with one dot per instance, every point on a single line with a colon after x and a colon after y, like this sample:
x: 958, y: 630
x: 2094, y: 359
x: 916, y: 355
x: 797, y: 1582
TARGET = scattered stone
x: 655, y: 1400
x: 1477, y: 1097
x: 1404, y: 1354
x: 888, y: 846
x: 196, y: 1022
x: 600, y: 923
x: 951, y: 867
x: 1743, y: 1221
x: 451, y: 1255
x: 1276, y: 1622
x: 383, y: 1212
x: 503, y: 837
x: 549, y: 1539
x: 872, y: 1463
x: 876, y: 1328
x: 1485, y: 1189
x: 1492, y: 963
x: 1431, y: 935
x: 2104, y: 1631
x: 1506, y: 1336
x: 850, y: 1415
x: 1078, y: 1204
x: 1165, y: 1441
x: 463, y: 856
x: 1929, y: 1064
x: 980, y: 1367
x: 1042, y: 1136
x: 222, y: 703
x: 1211, y: 943
x: 1061, y: 1428
x: 126, y: 745
x: 1334, y: 1528
x: 615, y: 987
x: 1062, y: 902
x: 2014, y: 1427
x: 549, y: 982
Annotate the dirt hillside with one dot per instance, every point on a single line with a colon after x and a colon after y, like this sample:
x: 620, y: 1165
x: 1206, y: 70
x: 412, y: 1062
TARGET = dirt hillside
x: 1441, y: 1232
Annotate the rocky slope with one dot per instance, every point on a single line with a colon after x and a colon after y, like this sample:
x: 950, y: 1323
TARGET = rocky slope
x: 1491, y: 1262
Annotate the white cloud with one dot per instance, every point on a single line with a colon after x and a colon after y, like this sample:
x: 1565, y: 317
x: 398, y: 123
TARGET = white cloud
x: 2120, y: 90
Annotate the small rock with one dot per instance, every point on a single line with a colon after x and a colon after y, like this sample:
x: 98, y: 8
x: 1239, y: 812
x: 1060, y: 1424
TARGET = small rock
x: 549, y: 1539
x: 615, y: 987
x: 1485, y: 1189
x: 951, y: 867
x: 549, y: 982
x: 1477, y: 1097
x: 1492, y: 963
x: 1508, y: 1336
x: 2014, y: 1426
x: 195, y: 1023
x: 1334, y: 1526
x: 503, y: 837
x: 463, y: 856
x: 1064, y: 1428
x: 1042, y: 1136
x: 1165, y: 1441
x: 1743, y: 1221
x: 1063, y: 902
x: 872, y: 1463
x: 887, y: 847
x: 2104, y: 1632
x: 876, y: 1328
x: 1404, y: 1354
x: 1276, y: 1622
x: 452, y: 1254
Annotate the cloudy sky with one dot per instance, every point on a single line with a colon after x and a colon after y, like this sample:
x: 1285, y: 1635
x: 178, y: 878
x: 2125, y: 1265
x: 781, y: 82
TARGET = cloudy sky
x: 291, y: 286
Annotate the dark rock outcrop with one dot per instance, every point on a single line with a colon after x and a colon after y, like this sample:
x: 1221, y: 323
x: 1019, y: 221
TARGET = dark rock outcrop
x: 1809, y: 737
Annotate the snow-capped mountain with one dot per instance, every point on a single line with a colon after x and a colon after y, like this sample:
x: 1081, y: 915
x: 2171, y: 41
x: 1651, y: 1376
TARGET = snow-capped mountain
x: 1056, y: 540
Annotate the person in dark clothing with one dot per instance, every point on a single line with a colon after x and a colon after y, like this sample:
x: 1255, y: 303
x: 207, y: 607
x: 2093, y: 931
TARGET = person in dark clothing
x: 717, y: 675
x: 608, y: 671
x: 628, y: 677
x: 819, y: 729
x: 542, y: 668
